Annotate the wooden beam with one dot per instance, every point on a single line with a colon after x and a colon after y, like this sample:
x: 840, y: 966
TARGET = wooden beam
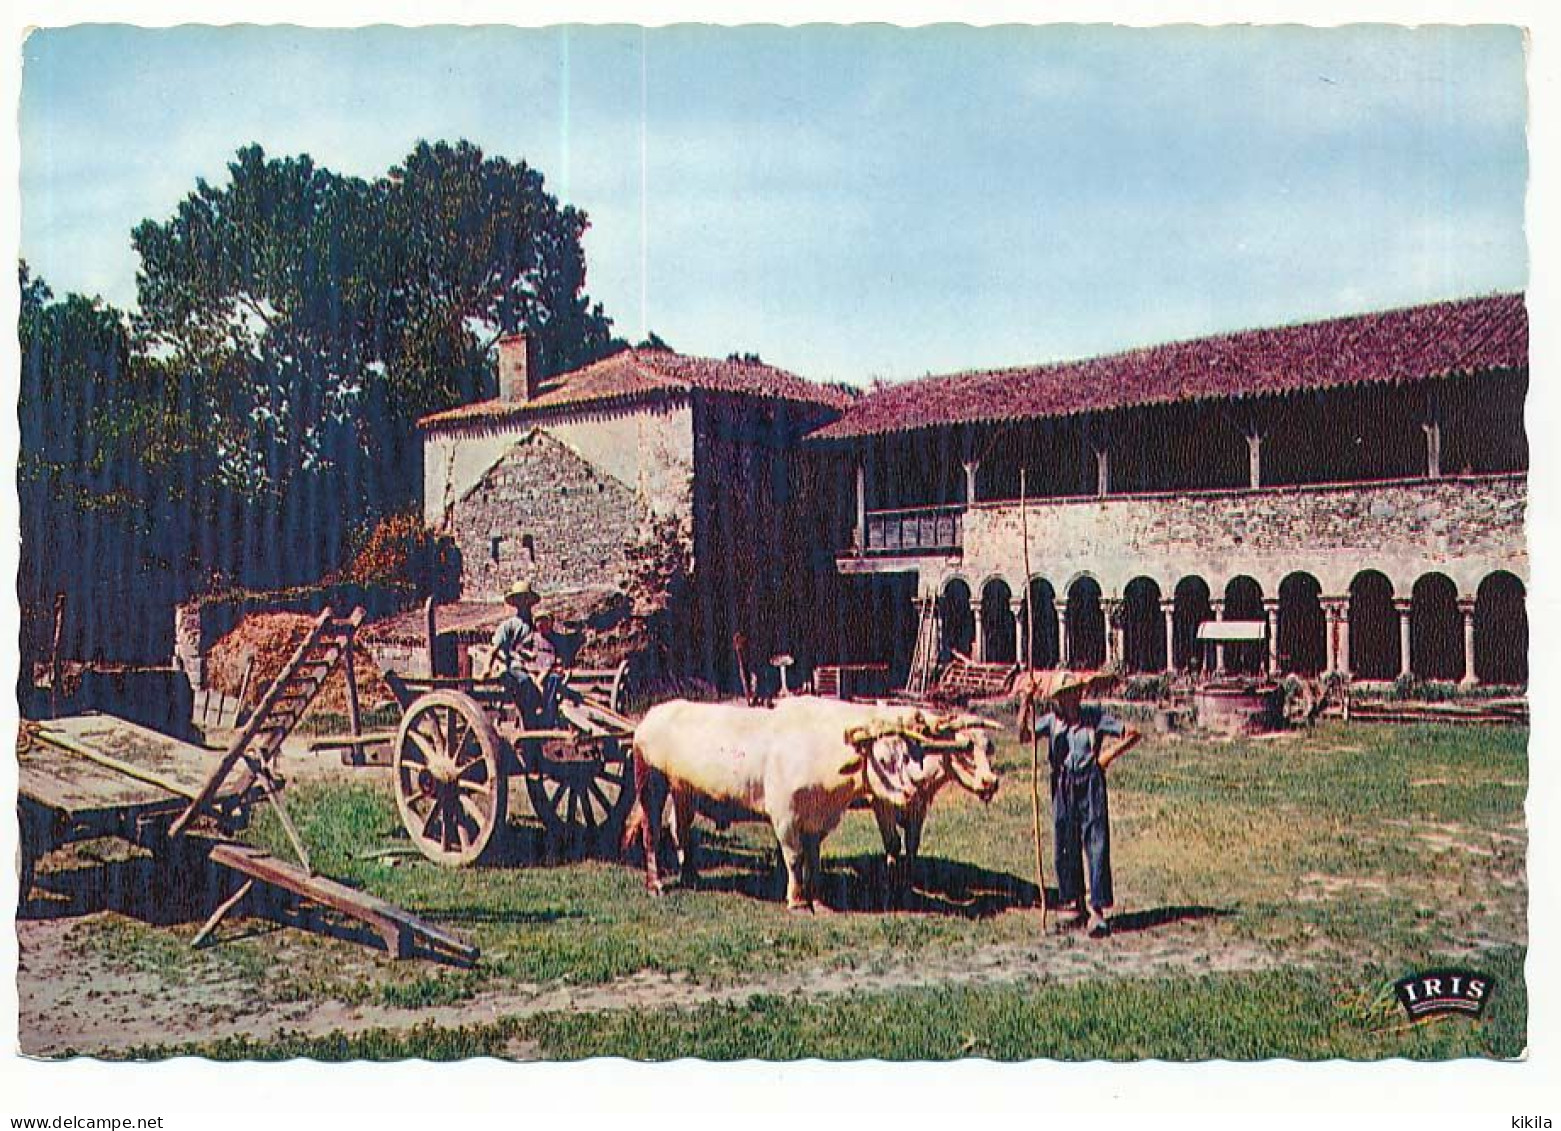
x: 56, y: 668
x: 431, y: 634
x: 398, y: 929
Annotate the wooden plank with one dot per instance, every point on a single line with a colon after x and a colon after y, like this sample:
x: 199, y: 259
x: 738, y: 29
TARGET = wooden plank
x: 150, y: 777
x: 398, y: 928
x: 87, y: 763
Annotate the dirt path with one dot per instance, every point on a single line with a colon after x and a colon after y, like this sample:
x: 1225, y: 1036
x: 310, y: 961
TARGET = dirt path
x: 67, y: 1006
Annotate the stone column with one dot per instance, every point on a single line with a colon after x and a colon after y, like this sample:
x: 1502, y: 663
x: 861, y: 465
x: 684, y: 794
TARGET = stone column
x: 1168, y: 608
x: 1339, y: 649
x: 1217, y: 608
x: 978, y: 642
x: 1331, y: 618
x: 1433, y: 448
x: 1271, y: 615
x: 1254, y: 460
x: 861, y: 507
x: 971, y: 467
x: 1102, y: 472
x: 1061, y: 606
x: 1017, y: 605
x: 1112, y: 608
x: 1402, y: 606
x: 1466, y: 607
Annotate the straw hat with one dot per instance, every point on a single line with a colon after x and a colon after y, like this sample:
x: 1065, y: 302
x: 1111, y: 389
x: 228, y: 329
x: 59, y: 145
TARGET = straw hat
x: 521, y: 593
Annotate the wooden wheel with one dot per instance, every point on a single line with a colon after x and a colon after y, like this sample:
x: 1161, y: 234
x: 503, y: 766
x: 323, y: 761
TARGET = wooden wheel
x: 582, y: 795
x: 449, y: 778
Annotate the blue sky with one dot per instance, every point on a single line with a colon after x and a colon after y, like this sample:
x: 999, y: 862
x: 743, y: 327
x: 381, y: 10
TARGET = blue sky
x: 855, y: 202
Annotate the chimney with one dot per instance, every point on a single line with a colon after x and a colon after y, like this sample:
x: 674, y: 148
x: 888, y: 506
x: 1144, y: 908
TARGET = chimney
x: 519, y: 372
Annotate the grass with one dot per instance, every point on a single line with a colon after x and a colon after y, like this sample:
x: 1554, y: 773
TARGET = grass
x: 1344, y: 857
x: 1300, y: 1015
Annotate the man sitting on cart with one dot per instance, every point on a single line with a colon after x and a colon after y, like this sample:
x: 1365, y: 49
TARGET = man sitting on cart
x: 528, y: 654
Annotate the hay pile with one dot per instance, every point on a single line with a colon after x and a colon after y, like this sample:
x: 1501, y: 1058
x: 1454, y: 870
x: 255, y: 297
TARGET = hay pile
x: 273, y: 638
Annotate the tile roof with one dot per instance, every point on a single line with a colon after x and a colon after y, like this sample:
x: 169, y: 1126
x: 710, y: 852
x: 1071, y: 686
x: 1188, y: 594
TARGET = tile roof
x: 636, y: 374
x: 1412, y: 344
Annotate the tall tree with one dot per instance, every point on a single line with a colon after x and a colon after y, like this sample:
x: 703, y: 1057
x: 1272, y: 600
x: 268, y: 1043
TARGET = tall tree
x: 102, y: 448
x: 319, y: 316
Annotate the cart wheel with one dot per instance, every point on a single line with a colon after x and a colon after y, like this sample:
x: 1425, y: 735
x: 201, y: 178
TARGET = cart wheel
x: 450, y: 785
x: 582, y: 799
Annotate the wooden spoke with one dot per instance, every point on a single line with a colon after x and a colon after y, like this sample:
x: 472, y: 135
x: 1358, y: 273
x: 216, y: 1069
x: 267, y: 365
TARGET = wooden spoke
x: 601, y: 798
x: 473, y: 813
x: 417, y: 749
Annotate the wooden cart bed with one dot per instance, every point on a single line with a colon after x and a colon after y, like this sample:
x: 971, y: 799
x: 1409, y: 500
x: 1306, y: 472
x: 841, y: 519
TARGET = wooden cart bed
x: 94, y: 766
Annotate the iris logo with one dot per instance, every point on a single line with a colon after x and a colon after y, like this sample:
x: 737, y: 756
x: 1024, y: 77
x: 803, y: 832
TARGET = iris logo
x: 1436, y: 992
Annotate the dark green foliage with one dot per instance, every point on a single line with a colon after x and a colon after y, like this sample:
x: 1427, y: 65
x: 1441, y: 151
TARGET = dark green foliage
x: 294, y: 323
x: 102, y: 475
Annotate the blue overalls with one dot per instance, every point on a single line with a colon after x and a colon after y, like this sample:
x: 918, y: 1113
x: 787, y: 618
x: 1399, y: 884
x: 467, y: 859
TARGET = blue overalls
x: 1081, y: 822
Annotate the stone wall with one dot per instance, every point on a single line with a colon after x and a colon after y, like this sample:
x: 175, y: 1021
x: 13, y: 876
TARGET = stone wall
x: 1465, y: 527
x: 647, y: 449
x: 561, y: 521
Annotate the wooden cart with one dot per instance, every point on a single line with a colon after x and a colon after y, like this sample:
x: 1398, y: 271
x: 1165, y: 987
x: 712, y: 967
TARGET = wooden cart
x: 460, y: 742
x: 93, y: 776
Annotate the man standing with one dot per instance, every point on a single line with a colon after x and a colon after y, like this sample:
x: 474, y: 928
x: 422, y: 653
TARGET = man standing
x: 1080, y: 818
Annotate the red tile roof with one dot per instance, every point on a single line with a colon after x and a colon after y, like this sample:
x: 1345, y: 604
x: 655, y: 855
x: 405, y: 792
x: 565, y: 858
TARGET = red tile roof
x: 1413, y: 344
x: 637, y: 374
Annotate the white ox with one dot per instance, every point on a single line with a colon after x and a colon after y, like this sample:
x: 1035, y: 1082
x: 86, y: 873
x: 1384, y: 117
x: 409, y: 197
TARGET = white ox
x: 798, y: 769
x: 960, y: 750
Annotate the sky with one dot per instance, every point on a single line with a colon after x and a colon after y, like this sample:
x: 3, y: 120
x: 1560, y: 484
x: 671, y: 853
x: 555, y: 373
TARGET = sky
x: 854, y: 203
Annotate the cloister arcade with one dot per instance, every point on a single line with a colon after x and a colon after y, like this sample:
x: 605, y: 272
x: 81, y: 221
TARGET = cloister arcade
x: 1375, y: 628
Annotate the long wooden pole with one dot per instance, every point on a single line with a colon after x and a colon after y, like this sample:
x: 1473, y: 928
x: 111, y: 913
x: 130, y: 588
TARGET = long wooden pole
x: 1035, y: 742
x: 56, y: 668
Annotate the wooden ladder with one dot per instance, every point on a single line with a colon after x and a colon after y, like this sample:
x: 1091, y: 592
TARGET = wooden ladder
x: 257, y: 745
x: 924, y: 658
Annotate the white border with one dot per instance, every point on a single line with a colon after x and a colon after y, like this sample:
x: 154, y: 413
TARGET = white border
x: 237, y: 1096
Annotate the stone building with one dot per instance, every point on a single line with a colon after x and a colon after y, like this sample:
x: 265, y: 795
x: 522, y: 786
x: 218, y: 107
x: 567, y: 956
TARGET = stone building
x: 558, y: 477
x: 1357, y: 484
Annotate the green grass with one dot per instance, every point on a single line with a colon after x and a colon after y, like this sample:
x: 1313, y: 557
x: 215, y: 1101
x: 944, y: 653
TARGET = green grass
x: 1360, y: 850
x: 1303, y: 1015
x: 1255, y: 830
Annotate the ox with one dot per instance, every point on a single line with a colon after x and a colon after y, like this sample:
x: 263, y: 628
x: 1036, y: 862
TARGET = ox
x: 945, y: 748
x: 800, y: 772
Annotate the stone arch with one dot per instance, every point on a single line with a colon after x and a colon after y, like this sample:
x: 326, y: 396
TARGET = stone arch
x: 1086, y: 624
x: 1244, y: 601
x: 956, y: 618
x: 1374, y: 645
x: 1435, y: 628
x: 1143, y: 627
x: 998, y: 645
x: 1501, y: 630
x: 1044, y: 648
x: 1192, y: 609
x: 1302, y: 628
